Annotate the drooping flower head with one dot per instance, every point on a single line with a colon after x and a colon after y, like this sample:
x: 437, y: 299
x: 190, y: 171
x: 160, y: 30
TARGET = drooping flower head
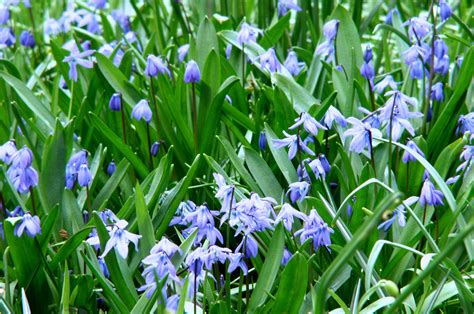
x: 429, y: 195
x: 192, y: 73
x: 298, y: 191
x: 269, y: 61
x: 407, y: 157
x: 26, y: 224
x: 285, y: 5
x: 183, y: 52
x: 155, y: 65
x: 362, y: 134
x: 78, y: 58
x: 292, y: 64
x: 316, y: 229
x: 309, y: 124
x: 142, y: 110
x: 247, y: 34
x: 334, y: 115
x: 294, y: 143
x: 120, y: 238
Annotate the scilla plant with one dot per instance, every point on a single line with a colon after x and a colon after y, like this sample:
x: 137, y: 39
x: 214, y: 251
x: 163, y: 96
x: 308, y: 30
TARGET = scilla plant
x: 271, y: 156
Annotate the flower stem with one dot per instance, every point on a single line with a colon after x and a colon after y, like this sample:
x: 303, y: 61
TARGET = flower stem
x: 122, y: 111
x: 195, y: 288
x: 33, y: 204
x: 71, y: 100
x: 243, y: 65
x: 89, y: 207
x: 155, y: 105
x: 148, y: 137
x: 194, y: 112
x: 390, y: 144
x: 431, y: 75
x: 372, y: 96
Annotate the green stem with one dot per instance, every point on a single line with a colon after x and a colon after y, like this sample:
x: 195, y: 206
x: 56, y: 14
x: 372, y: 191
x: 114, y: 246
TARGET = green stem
x: 71, y: 100
x: 194, y: 112
x: 390, y: 143
x: 155, y: 105
x: 122, y: 111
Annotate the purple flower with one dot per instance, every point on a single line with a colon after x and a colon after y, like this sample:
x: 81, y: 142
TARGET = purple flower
x: 120, y: 238
x: 4, y: 15
x: 183, y: 52
x: 437, y: 92
x: 23, y: 178
x: 107, y: 216
x: 292, y: 64
x: 367, y: 70
x: 262, y: 141
x: 309, y: 123
x: 269, y: 61
x: 417, y: 28
x: 142, y: 111
x: 429, y: 195
x: 237, y: 261
x: 407, y: 157
x: 331, y: 115
x: 440, y: 48
x: 286, y: 257
x: 192, y: 74
x: 441, y: 65
x: 155, y: 65
x: 361, y: 133
x: 72, y: 167
x: 294, y: 143
x: 115, y: 103
x: 52, y: 27
x: 247, y: 34
x: 398, y: 215
x: 99, y: 4
x: 23, y: 158
x: 416, y: 70
x: 165, y: 245
x: 84, y: 176
x: 103, y: 267
x: 444, y: 10
x: 155, y: 147
x: 298, y: 191
x: 330, y: 29
x: 387, y: 81
x: 27, y: 39
x: 326, y: 50
x: 26, y: 223
x: 228, y: 51
x: 122, y: 19
x: 368, y: 54
x: 316, y: 229
x: 249, y: 245
x: 287, y: 215
x: 285, y: 5
x: 78, y: 58
x: 389, y: 17
x: 465, y: 124
x: 225, y: 193
x: 7, y: 151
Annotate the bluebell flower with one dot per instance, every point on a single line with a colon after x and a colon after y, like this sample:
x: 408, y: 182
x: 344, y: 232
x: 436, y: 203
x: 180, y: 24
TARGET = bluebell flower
x: 107, y: 216
x: 441, y: 65
x: 172, y: 303
x: 23, y: 158
x: 115, y: 103
x: 249, y: 245
x: 158, y: 265
x: 155, y: 65
x: 310, y: 124
x: 298, y: 191
x: 465, y: 124
x: 208, y: 232
x: 72, y: 167
x: 51, y: 27
x: 262, y: 141
x: 182, y: 212
x: 195, y: 260
x: 165, y: 245
x: 326, y: 50
x: 389, y: 17
x: 372, y: 118
x: 316, y: 229
x: 416, y: 70
x: 429, y: 195
x: 103, y: 267
x: 387, y: 81
x: 237, y: 261
x: 287, y: 215
x: 331, y: 115
x: 98, y: 4
x: 4, y: 15
x: 367, y: 70
x: 78, y: 58
x: 467, y: 155
x: 26, y: 223
x: 361, y: 133
x: 120, y: 238
x: 155, y: 147
x: 459, y: 61
x: 444, y: 10
x: 286, y: 257
x: 215, y: 254
x: 292, y: 64
x: 122, y: 19
x: 84, y: 176
x: 417, y: 28
x: 330, y: 29
x: 398, y: 214
x: 7, y: 150
x: 247, y: 34
x: 407, y: 157
x: 398, y: 100
x: 415, y: 52
x: 17, y: 211
x: 225, y: 193
x: 368, y: 54
x: 108, y: 49
x: 440, y: 48
x: 294, y: 143
x: 437, y: 92
x: 90, y: 21
x: 285, y: 5
x: 319, y: 166
x: 253, y: 214
x: 269, y: 61
x: 142, y: 110
x: 27, y: 39
x: 183, y: 52
x: 201, y: 216
x: 228, y: 51
x: 23, y: 179
x: 192, y: 74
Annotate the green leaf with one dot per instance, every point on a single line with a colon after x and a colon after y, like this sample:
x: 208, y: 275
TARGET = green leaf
x: 206, y: 42
x: 269, y: 271
x: 301, y: 99
x: 69, y: 247
x: 292, y: 285
x: 65, y: 290
x: 263, y: 174
x: 273, y: 34
x: 111, y: 185
x: 145, y: 225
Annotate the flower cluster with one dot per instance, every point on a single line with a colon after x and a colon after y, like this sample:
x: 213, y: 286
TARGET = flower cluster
x: 77, y: 170
x: 326, y: 48
x: 20, y: 172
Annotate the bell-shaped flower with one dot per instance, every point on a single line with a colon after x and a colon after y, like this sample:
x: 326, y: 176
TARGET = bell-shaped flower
x: 120, y: 238
x: 78, y: 58
x: 142, y: 110
x: 309, y: 123
x: 192, y: 73
x: 429, y: 195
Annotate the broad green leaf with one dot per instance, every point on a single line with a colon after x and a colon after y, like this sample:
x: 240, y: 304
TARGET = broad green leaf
x: 111, y: 185
x: 145, y: 225
x: 301, y: 99
x: 263, y: 174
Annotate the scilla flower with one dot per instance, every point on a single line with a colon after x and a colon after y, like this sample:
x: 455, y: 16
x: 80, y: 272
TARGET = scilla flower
x: 115, y: 103
x: 444, y: 10
x: 398, y: 215
x: 285, y: 5
x: 7, y: 150
x: 437, y: 92
x: 429, y: 195
x: 78, y: 58
x: 269, y: 61
x: 407, y: 157
x: 192, y: 73
x: 183, y: 52
x: 465, y: 124
x: 287, y: 215
x: 309, y: 123
x: 294, y: 143
x: 387, y: 81
x: 120, y: 238
x: 84, y: 176
x: 155, y: 65
x: 247, y: 34
x: 142, y: 111
x: 23, y: 178
x: 26, y: 223
x: 316, y: 229
x: 27, y: 39
x: 361, y: 133
x: 298, y: 191
x: 334, y: 115
x: 292, y: 64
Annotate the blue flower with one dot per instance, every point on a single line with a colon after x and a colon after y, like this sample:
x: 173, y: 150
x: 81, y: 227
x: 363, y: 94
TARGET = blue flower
x: 225, y: 193
x: 26, y: 223
x: 309, y: 123
x: 416, y: 70
x: 429, y: 195
x: 165, y: 245
x: 316, y: 229
x: 287, y: 215
x: 122, y: 19
x: 387, y: 81
x: 99, y: 4
x: 415, y: 52
x: 183, y: 211
x: 331, y: 115
x: 444, y: 10
x: 72, y: 167
x: 441, y: 65
x: 368, y: 54
x: 84, y: 176
x: 142, y: 111
x: 319, y: 166
x: 407, y: 157
x: 389, y: 17
x: 23, y: 158
x: 51, y: 27
x: 285, y: 5
x: 7, y: 151
x: 158, y: 265
x: 326, y: 50
x: 228, y: 51
x: 417, y: 28
x: 249, y: 245
x: 292, y: 64
x: 286, y: 257
x: 183, y: 52
x: 237, y: 261
x: 437, y: 92
x: 361, y: 134
x: 4, y: 15
x: 294, y: 143
x: 262, y: 141
x: 78, y: 58
x: 269, y: 61
x: 192, y: 74
x: 298, y: 191
x: 27, y: 39
x: 155, y: 65
x: 398, y: 215
x: 465, y: 124
x: 440, y: 48
x: 120, y: 238
x: 247, y: 34
x: 155, y: 147
x: 23, y: 178
x: 107, y: 216
x: 367, y: 70
x: 103, y: 267
x: 330, y: 29
x: 115, y: 103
